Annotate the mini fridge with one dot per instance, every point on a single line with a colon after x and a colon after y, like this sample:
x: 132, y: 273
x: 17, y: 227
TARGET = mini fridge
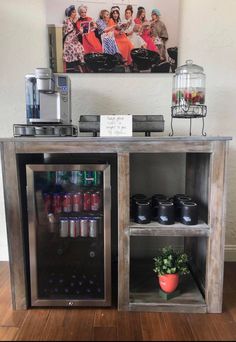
x: 69, y: 220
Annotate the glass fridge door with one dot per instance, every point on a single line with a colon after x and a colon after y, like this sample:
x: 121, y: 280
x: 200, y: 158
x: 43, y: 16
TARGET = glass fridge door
x: 69, y: 208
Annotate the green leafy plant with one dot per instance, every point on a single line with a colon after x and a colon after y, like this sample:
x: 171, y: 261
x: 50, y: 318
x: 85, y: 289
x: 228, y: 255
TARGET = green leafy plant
x: 171, y: 262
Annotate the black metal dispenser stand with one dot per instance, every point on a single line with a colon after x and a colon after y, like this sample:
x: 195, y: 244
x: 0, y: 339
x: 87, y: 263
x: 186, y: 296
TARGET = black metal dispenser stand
x: 186, y: 111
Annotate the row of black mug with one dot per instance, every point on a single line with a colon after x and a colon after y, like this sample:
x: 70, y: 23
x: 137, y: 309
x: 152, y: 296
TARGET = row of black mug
x: 160, y: 208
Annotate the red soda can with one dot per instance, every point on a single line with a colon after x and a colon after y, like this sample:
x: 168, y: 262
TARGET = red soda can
x: 95, y: 201
x: 57, y: 203
x: 47, y: 198
x: 87, y: 201
x: 67, y: 203
x: 77, y: 200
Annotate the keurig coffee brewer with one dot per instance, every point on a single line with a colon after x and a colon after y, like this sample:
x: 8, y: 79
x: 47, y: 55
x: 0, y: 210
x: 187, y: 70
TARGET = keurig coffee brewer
x: 48, y: 105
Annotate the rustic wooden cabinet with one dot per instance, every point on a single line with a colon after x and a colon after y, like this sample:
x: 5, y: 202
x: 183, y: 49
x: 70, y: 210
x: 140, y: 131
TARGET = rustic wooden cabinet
x: 204, y: 175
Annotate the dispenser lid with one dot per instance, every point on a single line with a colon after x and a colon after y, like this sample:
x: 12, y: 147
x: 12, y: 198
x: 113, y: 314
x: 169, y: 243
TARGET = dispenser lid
x: 44, y: 73
x: 189, y: 68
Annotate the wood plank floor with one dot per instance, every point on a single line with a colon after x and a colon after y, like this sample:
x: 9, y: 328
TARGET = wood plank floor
x: 82, y: 324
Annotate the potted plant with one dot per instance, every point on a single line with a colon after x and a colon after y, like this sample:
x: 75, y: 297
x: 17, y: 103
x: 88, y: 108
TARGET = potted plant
x: 168, y: 266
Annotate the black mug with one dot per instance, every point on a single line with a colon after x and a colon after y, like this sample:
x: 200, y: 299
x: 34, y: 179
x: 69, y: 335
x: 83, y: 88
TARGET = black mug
x: 142, y: 211
x: 133, y: 199
x: 166, y: 213
x: 189, y: 213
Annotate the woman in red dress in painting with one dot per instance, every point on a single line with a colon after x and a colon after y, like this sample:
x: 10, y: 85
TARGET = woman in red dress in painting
x: 145, y: 29
x: 124, y: 44
x: 86, y: 26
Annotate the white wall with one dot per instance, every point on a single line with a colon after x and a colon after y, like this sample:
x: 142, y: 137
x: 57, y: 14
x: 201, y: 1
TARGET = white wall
x: 207, y: 35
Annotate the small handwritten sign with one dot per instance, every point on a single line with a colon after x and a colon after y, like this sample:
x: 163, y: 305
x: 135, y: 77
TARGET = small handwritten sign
x: 116, y: 126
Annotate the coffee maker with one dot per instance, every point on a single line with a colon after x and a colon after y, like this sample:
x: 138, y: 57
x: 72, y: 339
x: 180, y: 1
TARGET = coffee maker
x: 48, y: 105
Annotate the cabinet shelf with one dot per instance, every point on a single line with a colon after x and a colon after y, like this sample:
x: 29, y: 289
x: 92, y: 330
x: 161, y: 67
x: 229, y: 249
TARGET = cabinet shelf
x: 177, y: 229
x: 144, y: 293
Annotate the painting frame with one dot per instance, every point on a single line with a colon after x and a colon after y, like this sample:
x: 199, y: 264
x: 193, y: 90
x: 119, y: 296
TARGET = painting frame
x: 125, y: 39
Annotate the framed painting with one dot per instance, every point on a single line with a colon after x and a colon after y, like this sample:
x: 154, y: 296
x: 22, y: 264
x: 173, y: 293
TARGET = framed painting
x: 113, y: 36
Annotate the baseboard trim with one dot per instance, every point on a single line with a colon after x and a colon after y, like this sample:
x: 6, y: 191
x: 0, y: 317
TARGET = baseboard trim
x: 230, y: 253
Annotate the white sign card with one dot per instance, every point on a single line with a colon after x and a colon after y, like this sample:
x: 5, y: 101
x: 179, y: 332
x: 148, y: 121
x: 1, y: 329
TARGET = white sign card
x: 116, y: 126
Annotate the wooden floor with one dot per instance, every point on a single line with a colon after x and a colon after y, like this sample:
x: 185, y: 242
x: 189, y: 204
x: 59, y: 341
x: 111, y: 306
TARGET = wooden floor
x: 110, y: 325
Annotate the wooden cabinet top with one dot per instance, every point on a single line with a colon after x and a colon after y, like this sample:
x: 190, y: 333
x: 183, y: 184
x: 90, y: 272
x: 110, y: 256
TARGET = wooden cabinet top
x: 114, y: 145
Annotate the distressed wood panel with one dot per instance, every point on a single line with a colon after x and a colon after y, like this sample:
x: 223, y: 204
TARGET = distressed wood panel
x: 14, y: 226
x: 216, y: 241
x: 123, y: 238
x: 177, y: 229
x: 101, y: 145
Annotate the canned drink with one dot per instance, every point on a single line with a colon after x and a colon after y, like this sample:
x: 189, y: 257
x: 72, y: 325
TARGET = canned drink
x: 61, y: 177
x: 74, y: 227
x: 50, y: 177
x: 84, y: 227
x: 93, y: 228
x: 87, y: 201
x: 47, y: 198
x: 97, y: 178
x: 95, y: 201
x: 77, y: 177
x: 77, y: 201
x: 88, y: 178
x: 57, y: 203
x: 64, y: 227
x: 67, y: 203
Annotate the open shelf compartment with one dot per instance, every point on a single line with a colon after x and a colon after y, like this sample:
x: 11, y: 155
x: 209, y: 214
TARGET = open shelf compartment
x: 144, y: 287
x: 170, y: 174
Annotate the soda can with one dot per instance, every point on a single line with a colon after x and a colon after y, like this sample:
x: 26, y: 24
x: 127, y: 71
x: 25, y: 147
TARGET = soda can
x: 84, y: 227
x: 50, y: 177
x: 60, y: 177
x: 87, y: 201
x: 64, y: 227
x: 97, y: 178
x: 95, y: 201
x: 77, y: 177
x: 93, y: 228
x: 47, y: 198
x: 57, y: 203
x: 67, y: 203
x: 88, y: 178
x: 77, y: 201
x: 74, y: 227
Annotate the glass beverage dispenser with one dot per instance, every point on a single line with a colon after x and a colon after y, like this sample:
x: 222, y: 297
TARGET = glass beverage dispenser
x: 188, y: 93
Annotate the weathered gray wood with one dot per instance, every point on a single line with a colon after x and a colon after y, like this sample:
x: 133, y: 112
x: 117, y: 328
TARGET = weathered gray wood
x: 197, y: 187
x: 14, y: 226
x: 215, y: 254
x: 205, y: 156
x: 180, y: 308
x: 177, y: 229
x: 123, y: 237
x: 83, y: 138
x: 102, y: 146
x: 197, y: 181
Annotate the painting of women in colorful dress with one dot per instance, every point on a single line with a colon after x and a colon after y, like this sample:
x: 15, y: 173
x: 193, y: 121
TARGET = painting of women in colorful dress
x: 113, y: 36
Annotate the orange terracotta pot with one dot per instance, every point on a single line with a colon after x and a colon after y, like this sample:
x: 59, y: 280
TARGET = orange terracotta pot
x: 169, y: 282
